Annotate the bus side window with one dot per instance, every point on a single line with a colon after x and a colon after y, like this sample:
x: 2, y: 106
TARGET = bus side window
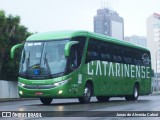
x: 106, y: 52
x: 127, y: 56
x: 117, y: 54
x: 146, y: 60
x: 92, y: 51
x: 137, y: 57
x: 79, y: 48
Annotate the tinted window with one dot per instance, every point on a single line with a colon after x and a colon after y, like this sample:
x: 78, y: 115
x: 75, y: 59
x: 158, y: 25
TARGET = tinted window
x: 146, y: 60
x: 79, y: 48
x: 137, y: 59
x: 92, y: 51
x: 117, y: 54
x: 127, y: 56
x: 106, y: 51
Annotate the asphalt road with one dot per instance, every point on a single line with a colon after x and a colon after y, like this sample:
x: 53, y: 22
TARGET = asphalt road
x: 146, y: 108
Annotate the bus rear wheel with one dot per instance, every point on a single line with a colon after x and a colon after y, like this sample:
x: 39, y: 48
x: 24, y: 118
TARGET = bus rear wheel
x: 86, y: 95
x: 135, y: 94
x: 102, y: 98
x: 46, y: 101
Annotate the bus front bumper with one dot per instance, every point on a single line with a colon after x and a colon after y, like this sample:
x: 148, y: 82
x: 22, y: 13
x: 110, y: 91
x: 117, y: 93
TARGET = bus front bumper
x: 36, y: 91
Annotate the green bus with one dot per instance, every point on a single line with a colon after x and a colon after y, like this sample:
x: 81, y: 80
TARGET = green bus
x: 82, y: 64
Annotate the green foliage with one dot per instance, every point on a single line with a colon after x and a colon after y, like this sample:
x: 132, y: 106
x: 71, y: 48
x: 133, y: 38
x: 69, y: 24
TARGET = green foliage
x: 11, y: 33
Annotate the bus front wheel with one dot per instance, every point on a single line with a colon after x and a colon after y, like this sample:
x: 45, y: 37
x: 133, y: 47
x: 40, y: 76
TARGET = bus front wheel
x: 86, y: 95
x: 46, y: 101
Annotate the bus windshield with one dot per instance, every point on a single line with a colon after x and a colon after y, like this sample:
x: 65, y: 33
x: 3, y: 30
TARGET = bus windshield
x: 43, y: 59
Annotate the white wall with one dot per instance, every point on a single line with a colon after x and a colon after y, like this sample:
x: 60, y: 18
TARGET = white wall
x: 117, y: 30
x: 8, y: 89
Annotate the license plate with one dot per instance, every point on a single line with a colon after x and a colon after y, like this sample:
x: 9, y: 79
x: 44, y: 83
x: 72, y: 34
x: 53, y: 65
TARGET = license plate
x: 38, y: 93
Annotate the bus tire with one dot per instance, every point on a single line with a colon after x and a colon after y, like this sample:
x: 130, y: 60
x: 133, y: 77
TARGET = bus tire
x: 46, y: 101
x: 102, y: 98
x: 135, y: 94
x: 86, y: 95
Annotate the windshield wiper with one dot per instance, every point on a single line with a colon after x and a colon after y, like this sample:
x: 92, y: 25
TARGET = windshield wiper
x: 28, y: 60
x: 47, y: 65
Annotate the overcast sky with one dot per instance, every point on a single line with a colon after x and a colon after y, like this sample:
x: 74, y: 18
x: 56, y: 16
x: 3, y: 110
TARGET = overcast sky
x: 51, y: 15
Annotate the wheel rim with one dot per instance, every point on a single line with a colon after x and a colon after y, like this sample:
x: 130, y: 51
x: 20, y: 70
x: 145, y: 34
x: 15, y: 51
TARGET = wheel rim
x: 87, y: 93
x: 135, y: 92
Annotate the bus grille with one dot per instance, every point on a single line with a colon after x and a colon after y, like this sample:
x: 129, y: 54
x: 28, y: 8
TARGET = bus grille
x: 39, y: 86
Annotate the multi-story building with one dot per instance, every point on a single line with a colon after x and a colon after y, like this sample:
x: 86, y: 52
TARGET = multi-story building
x: 108, y: 22
x: 137, y: 40
x: 153, y: 39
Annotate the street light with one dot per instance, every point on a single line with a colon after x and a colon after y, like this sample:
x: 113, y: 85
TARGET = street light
x: 157, y: 71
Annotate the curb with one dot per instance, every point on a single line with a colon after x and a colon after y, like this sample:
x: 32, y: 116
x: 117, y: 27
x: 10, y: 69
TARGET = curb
x: 16, y: 99
x: 155, y: 93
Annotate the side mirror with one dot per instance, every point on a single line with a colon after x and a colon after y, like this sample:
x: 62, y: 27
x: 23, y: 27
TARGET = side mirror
x: 13, y: 50
x: 68, y: 47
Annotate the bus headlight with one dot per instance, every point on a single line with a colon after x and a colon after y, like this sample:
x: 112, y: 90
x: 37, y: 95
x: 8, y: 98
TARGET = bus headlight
x: 60, y: 83
x: 21, y: 92
x: 21, y: 84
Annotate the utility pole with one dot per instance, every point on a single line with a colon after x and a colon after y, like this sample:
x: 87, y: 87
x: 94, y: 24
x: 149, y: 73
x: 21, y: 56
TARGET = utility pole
x: 156, y: 71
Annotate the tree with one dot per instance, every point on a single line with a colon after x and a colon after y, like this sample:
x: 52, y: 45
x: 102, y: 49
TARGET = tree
x: 11, y: 33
